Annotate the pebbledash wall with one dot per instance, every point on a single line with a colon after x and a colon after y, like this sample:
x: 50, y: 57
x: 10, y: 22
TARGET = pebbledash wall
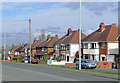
x: 111, y: 49
x: 73, y: 49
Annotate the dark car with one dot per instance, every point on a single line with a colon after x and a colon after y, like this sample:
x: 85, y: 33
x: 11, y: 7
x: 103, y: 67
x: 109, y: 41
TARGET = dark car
x: 86, y: 63
x: 25, y: 59
x: 33, y: 61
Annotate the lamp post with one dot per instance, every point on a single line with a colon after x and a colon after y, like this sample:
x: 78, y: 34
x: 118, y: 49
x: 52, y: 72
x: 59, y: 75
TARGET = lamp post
x: 30, y: 37
x: 80, y: 40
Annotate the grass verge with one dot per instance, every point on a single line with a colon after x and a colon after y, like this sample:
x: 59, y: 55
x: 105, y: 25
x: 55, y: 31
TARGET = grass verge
x: 114, y: 73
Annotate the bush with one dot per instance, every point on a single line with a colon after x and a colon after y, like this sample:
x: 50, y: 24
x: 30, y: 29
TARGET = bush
x: 14, y: 58
x: 21, y: 58
x: 58, y: 58
x: 46, y: 57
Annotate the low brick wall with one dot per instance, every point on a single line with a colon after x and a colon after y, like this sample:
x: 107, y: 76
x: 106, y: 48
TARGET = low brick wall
x: 70, y: 64
x: 104, y: 64
x: 43, y: 61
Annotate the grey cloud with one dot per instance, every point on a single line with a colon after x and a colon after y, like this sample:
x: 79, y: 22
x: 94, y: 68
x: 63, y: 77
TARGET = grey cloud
x: 73, y: 5
x: 101, y: 7
x: 16, y: 38
x: 53, y: 29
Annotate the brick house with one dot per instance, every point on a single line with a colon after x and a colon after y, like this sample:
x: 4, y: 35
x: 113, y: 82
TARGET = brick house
x: 25, y: 51
x: 34, y: 47
x: 67, y: 46
x: 14, y: 52
x: 102, y: 44
x: 46, y: 47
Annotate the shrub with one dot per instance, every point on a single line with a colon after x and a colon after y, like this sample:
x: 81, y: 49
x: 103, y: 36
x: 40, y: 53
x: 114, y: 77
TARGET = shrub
x: 14, y: 58
x: 46, y: 57
x: 21, y: 58
x: 58, y: 58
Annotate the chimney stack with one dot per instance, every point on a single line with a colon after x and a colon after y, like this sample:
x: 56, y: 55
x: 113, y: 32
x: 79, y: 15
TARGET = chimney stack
x: 69, y: 31
x: 22, y: 44
x: 102, y: 26
x: 34, y: 39
x: 56, y: 35
x: 12, y: 45
x: 48, y: 37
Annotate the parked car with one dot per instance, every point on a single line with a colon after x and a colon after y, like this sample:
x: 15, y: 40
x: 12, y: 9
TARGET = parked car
x: 86, y: 63
x: 33, y: 61
x: 115, y: 65
x: 25, y: 59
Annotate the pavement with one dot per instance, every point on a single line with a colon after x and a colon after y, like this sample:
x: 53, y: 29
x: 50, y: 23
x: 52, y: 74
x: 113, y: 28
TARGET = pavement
x: 29, y: 72
x: 101, y: 69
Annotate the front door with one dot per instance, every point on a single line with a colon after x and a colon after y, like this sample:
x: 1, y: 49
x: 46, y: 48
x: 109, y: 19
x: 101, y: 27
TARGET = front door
x: 67, y: 58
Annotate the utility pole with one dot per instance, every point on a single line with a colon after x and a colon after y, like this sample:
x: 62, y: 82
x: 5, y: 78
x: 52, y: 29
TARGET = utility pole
x: 4, y: 45
x: 80, y: 40
x: 30, y: 37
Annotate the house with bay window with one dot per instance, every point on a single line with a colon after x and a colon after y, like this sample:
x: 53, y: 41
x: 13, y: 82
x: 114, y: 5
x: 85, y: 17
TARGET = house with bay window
x: 67, y: 46
x: 46, y: 47
x: 102, y: 44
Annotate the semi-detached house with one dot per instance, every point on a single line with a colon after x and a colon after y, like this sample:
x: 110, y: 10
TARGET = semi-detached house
x: 46, y: 47
x: 67, y: 46
x: 102, y: 44
x: 14, y: 52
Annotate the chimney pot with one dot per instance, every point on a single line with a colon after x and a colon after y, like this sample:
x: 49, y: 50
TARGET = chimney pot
x: 48, y: 37
x: 12, y: 45
x: 34, y: 39
x: 102, y: 26
x: 113, y: 23
x: 69, y: 31
x: 56, y: 35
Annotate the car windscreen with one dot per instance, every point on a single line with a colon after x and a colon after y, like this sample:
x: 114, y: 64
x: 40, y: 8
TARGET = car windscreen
x: 88, y: 61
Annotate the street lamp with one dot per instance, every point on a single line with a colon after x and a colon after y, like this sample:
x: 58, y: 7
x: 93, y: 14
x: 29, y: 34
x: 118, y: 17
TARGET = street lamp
x: 30, y: 37
x: 80, y: 40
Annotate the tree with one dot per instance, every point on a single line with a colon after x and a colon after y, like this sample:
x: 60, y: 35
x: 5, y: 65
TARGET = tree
x: 46, y: 57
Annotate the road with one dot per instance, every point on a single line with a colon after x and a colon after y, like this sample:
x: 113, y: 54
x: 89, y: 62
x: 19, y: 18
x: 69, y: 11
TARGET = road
x: 27, y: 72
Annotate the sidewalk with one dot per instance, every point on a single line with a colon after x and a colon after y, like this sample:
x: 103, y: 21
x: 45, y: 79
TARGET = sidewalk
x: 106, y: 69
x: 101, y: 69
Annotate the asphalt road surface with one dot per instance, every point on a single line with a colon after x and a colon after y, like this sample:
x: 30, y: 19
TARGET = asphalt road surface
x: 27, y: 72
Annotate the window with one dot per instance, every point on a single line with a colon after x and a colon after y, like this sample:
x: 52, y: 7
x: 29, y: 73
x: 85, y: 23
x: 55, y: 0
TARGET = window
x: 57, y: 46
x: 68, y: 46
x: 103, y: 45
x: 86, y: 45
x: 93, y: 45
x: 86, y: 56
x: 42, y: 49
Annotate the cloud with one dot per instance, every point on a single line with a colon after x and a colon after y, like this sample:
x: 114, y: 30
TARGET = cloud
x: 101, y: 7
x: 72, y: 5
x: 15, y: 38
x: 88, y: 31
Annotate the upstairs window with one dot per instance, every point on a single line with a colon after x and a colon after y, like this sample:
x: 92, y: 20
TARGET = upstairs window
x: 68, y: 46
x: 93, y: 45
x: 103, y: 45
x: 86, y: 45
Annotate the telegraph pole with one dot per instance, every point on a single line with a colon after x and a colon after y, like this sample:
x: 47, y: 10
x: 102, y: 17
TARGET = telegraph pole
x: 80, y: 40
x: 4, y: 45
x: 30, y: 37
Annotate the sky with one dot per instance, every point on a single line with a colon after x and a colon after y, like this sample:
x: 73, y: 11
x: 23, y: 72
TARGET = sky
x: 54, y: 17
